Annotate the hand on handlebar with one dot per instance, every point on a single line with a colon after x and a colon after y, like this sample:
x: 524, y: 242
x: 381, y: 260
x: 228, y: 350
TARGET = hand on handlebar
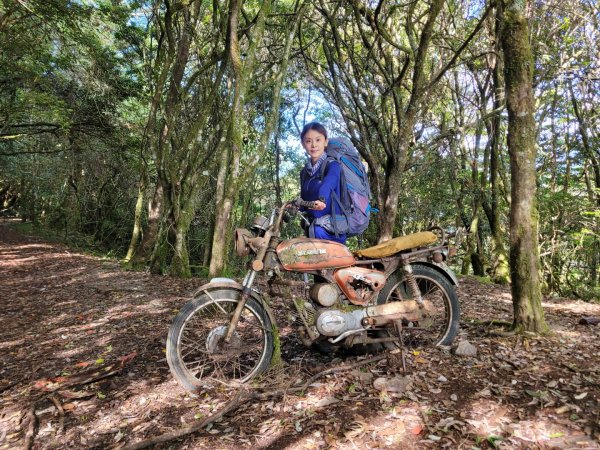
x: 317, y: 205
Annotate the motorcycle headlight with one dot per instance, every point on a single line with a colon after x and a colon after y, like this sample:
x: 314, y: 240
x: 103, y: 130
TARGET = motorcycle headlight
x: 260, y: 223
x: 242, y: 239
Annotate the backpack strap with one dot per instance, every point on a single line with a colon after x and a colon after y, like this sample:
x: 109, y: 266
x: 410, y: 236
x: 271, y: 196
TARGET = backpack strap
x: 302, y: 176
x: 324, y: 166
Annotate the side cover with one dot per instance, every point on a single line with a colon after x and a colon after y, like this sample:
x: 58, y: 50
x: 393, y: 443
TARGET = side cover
x: 304, y: 254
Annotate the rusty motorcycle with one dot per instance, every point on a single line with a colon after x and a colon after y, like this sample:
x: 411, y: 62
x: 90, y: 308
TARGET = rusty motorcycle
x: 399, y: 292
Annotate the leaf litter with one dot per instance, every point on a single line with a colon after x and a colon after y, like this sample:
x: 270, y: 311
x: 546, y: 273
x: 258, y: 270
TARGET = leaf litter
x: 80, y: 331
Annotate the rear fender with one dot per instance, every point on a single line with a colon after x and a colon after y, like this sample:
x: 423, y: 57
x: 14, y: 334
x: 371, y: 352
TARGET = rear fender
x: 441, y: 268
x: 228, y: 283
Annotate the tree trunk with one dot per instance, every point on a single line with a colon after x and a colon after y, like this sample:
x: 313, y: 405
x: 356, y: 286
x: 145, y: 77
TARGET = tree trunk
x: 232, y: 177
x: 137, y: 221
x: 594, y: 193
x: 524, y: 251
x: 501, y: 269
x: 150, y: 237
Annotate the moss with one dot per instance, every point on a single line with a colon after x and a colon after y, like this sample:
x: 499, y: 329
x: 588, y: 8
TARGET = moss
x: 133, y: 266
x: 483, y: 280
x: 276, y: 358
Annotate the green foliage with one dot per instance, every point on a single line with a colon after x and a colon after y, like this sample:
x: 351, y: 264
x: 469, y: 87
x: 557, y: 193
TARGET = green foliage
x: 68, y: 131
x: 78, y: 131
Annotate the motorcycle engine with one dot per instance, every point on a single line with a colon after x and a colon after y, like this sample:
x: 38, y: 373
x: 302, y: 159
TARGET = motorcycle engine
x: 326, y: 294
x: 332, y: 322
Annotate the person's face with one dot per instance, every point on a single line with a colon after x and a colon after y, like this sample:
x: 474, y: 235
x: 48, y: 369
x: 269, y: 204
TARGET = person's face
x: 314, y: 143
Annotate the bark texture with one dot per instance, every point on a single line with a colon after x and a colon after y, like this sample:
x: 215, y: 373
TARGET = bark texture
x: 524, y: 252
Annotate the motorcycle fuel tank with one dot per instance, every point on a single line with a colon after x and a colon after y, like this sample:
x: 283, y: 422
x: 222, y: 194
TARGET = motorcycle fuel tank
x: 305, y: 254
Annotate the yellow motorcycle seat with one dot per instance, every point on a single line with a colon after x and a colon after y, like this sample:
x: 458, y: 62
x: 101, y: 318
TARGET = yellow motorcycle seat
x: 395, y: 245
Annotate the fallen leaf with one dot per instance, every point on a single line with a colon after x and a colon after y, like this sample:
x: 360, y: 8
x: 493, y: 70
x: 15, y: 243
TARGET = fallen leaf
x: 416, y: 430
x: 534, y: 393
x: 326, y: 402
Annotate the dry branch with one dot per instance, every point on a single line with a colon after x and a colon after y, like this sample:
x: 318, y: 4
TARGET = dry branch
x: 243, y: 396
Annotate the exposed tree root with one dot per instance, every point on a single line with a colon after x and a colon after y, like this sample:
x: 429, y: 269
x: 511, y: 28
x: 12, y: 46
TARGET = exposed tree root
x: 8, y: 386
x: 31, y: 428
x: 61, y: 412
x: 490, y: 323
x: 244, y: 396
x: 88, y: 377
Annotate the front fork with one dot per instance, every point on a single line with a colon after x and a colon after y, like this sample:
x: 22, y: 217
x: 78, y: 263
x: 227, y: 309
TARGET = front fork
x: 246, y: 291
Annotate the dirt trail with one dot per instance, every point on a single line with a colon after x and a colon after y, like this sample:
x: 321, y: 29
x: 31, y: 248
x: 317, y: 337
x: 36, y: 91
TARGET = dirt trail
x: 68, y: 318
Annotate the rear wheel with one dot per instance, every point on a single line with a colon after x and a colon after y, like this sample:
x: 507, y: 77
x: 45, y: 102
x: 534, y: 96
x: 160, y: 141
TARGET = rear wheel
x: 440, y: 324
x: 197, y: 354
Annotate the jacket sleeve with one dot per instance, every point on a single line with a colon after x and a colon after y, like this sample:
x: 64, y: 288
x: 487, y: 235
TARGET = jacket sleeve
x: 331, y: 181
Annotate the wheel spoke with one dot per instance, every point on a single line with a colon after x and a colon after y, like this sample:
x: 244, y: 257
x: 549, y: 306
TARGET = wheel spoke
x: 202, y: 353
x: 435, y: 325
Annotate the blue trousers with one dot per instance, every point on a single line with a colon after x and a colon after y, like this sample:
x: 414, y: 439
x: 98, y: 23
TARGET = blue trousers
x: 320, y: 233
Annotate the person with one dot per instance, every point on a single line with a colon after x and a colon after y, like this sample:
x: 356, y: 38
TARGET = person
x: 318, y: 187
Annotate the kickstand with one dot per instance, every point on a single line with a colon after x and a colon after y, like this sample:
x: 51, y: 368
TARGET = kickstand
x: 398, y: 324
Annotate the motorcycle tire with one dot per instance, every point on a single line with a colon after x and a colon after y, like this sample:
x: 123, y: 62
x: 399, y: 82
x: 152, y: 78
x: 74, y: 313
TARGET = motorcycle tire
x: 196, y: 352
x: 441, y: 327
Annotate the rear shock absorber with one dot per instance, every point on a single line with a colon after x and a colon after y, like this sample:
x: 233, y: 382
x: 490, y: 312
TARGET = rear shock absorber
x: 412, y: 284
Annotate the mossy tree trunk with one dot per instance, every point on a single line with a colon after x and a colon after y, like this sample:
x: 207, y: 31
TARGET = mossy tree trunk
x: 501, y: 269
x: 236, y: 167
x: 182, y: 128
x: 524, y: 251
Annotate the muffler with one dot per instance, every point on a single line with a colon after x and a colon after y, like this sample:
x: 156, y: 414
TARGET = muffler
x: 409, y: 310
x: 332, y: 322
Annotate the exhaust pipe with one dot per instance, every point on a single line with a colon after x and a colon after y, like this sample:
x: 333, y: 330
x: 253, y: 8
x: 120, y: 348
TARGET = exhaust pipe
x: 389, y: 312
x: 332, y: 322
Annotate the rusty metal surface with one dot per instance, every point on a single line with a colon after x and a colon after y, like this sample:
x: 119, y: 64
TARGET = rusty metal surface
x: 304, y: 254
x: 408, y: 310
x: 359, y: 284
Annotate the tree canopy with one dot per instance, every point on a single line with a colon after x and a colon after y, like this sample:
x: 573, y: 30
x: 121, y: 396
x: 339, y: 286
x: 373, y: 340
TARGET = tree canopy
x: 152, y: 129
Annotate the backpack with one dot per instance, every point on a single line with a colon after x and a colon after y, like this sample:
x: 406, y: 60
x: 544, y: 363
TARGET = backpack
x: 355, y: 193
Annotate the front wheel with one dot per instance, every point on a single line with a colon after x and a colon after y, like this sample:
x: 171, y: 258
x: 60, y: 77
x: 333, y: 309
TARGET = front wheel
x: 440, y: 323
x: 197, y: 353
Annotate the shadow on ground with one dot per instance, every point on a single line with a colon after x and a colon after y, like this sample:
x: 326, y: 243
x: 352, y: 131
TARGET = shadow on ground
x: 66, y: 314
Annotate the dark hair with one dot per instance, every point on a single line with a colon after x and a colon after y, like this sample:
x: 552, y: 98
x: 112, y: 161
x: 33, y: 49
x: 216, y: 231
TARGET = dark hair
x: 313, y: 126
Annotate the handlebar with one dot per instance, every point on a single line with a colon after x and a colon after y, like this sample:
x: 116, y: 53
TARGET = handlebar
x: 304, y: 203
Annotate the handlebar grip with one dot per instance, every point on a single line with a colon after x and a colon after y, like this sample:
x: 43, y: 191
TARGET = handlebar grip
x: 305, y: 203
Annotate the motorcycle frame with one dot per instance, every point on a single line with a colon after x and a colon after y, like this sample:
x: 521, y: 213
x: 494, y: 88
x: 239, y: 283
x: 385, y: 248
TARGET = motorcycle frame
x: 270, y: 240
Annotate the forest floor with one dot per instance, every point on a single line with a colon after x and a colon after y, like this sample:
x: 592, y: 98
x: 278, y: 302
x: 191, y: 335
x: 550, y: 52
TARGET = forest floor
x: 83, y: 366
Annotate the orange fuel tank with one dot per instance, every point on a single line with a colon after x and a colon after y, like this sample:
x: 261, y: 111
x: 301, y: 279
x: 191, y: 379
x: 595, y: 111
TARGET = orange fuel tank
x: 305, y: 254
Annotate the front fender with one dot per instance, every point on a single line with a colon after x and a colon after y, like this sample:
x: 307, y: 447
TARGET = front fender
x: 228, y: 283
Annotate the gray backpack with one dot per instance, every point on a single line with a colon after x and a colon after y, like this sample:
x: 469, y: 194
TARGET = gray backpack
x: 355, y: 193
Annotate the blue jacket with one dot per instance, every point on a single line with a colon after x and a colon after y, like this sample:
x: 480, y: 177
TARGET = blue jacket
x: 313, y: 188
